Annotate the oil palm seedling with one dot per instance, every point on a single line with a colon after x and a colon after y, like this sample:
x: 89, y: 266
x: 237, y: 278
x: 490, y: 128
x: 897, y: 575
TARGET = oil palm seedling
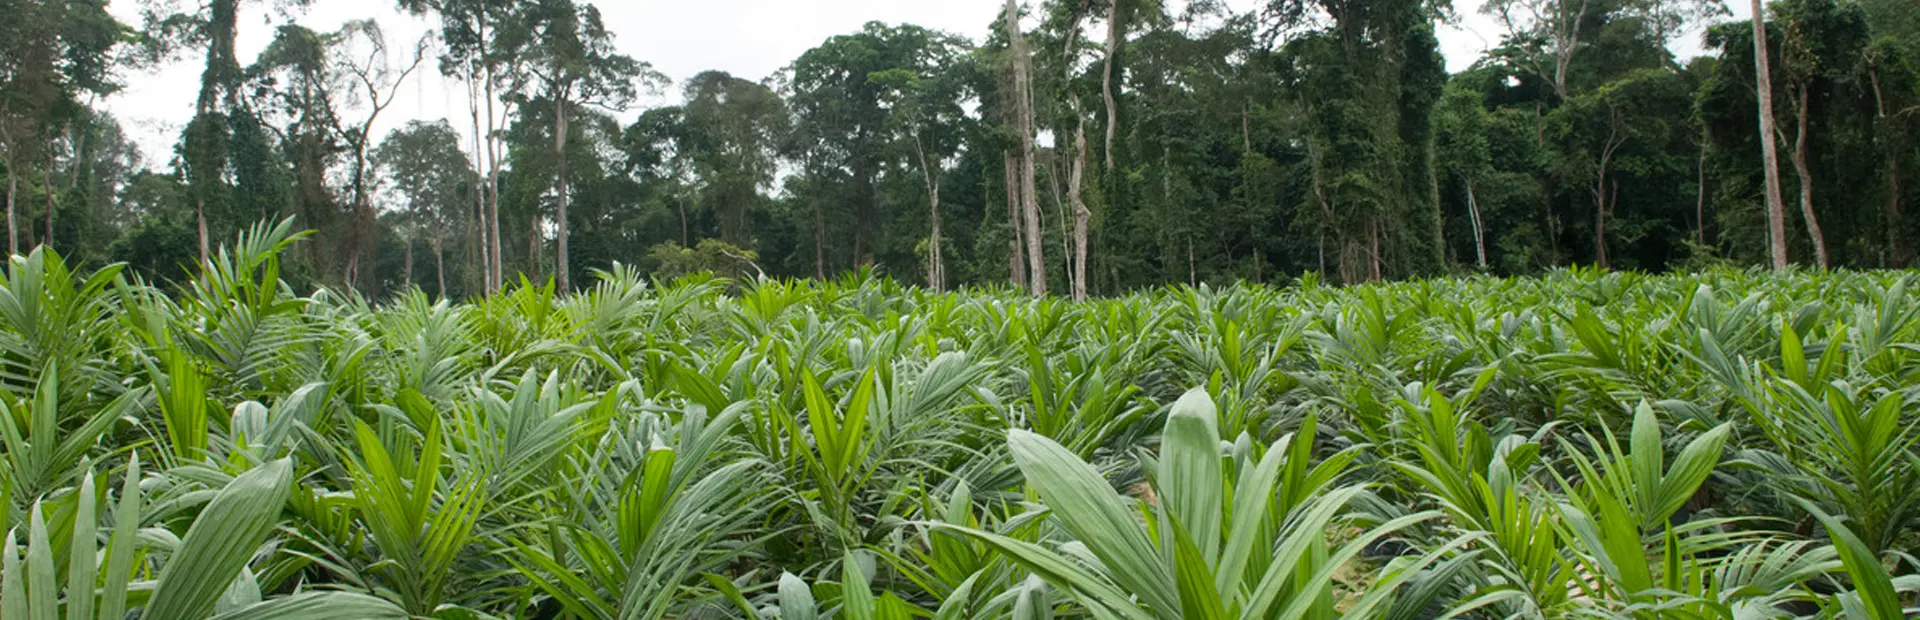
x: 204, y: 574
x: 1838, y: 434
x: 54, y: 317
x: 1215, y: 544
x: 46, y: 451
x: 653, y: 513
x: 1585, y: 444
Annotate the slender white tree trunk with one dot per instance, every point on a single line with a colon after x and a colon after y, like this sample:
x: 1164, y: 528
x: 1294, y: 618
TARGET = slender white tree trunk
x: 1479, y: 230
x: 1114, y: 30
x: 1805, y: 173
x: 1769, y: 156
x: 1081, y: 215
x: 406, y: 269
x: 1016, y: 257
x: 439, y: 270
x: 1030, y: 199
x: 936, y: 264
x: 560, y: 266
x: 47, y: 184
x: 1600, y: 221
x: 479, y: 187
x: 1193, y: 264
x: 13, y: 196
x: 1567, y: 31
x: 533, y: 247
x: 199, y: 213
x: 1373, y: 248
x: 493, y: 189
x: 684, y: 241
x: 1602, y: 192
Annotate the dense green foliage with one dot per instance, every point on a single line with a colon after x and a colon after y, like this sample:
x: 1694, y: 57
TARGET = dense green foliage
x: 1177, y: 142
x: 1585, y: 444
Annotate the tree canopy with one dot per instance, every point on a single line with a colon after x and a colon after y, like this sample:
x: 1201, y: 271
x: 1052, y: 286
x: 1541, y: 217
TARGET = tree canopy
x: 1171, y: 142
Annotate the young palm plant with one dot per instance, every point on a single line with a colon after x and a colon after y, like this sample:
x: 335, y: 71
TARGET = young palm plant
x: 1840, y: 438
x: 420, y: 522
x: 205, y: 575
x: 40, y: 456
x: 52, y: 317
x: 648, y: 512
x: 1214, y: 545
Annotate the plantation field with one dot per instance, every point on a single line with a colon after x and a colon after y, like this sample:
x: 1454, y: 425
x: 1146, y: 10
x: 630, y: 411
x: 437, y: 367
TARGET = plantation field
x: 1724, y: 445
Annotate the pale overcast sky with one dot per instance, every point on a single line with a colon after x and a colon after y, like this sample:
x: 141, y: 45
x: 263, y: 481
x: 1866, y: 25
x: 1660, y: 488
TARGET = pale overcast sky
x: 748, y: 38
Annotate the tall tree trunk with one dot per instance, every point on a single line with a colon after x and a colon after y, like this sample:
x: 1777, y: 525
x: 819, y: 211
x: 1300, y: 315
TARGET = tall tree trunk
x: 1054, y: 172
x: 486, y: 173
x: 367, y: 225
x: 200, y: 214
x: 13, y: 196
x: 406, y: 267
x: 1069, y: 50
x: 1030, y: 199
x: 476, y: 256
x: 819, y: 243
x: 360, y: 261
x: 363, y: 248
x: 1030, y: 207
x: 479, y: 186
x: 1016, y: 256
x: 936, y: 265
x: 1613, y: 196
x: 493, y: 189
x: 480, y: 238
x: 1373, y: 250
x: 1769, y: 156
x: 1600, y: 221
x: 560, y: 266
x: 1081, y: 215
x: 1801, y: 169
x: 217, y: 83
x: 360, y: 219
x: 1566, y: 31
x: 1602, y: 192
x: 1193, y: 264
x: 1433, y: 195
x: 1700, y: 203
x: 1479, y: 228
x: 439, y: 270
x: 1114, y: 30
x: 684, y: 242
x: 52, y: 204
x: 1328, y: 219
x: 533, y: 246
x: 1320, y: 249
x: 493, y: 229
